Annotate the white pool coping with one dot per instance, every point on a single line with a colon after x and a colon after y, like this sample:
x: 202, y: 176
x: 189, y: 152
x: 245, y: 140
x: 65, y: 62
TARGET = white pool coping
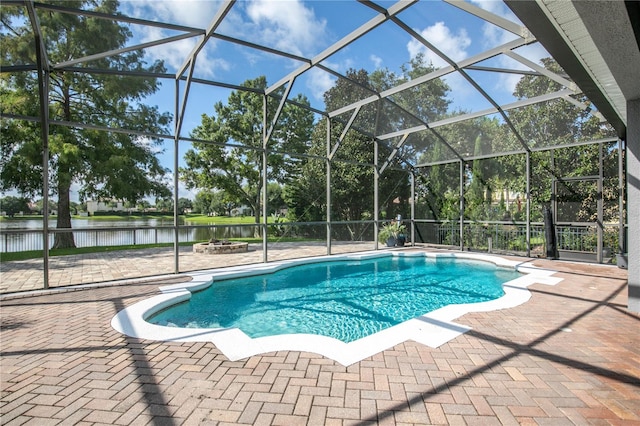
x: 432, y: 329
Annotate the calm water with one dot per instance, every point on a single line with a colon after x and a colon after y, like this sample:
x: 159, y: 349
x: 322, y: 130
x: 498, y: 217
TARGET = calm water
x: 95, y: 233
x: 86, y: 223
x: 343, y: 300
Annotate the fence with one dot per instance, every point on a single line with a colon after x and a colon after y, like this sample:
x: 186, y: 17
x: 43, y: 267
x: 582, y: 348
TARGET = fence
x: 501, y: 237
x: 495, y: 237
x: 18, y: 240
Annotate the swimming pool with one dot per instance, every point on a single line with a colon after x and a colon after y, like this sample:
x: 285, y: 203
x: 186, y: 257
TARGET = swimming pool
x: 432, y: 329
x: 346, y: 300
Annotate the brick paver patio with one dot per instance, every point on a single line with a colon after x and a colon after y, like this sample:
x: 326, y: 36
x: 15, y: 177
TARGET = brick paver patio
x: 570, y: 355
x: 27, y: 275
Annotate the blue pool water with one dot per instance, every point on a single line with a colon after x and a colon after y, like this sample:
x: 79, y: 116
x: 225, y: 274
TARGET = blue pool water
x: 346, y: 300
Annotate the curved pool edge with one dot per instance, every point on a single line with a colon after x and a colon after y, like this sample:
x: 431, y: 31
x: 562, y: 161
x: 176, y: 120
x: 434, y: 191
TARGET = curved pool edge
x: 433, y: 329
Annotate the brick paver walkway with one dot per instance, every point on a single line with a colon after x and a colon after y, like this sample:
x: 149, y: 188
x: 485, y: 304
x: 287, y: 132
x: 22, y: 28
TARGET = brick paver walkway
x: 27, y: 275
x: 571, y: 355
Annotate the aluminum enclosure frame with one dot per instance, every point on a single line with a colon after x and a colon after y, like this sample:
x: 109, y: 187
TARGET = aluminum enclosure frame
x: 185, y: 77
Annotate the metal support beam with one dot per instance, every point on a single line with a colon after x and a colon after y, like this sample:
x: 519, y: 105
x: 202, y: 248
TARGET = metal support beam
x: 278, y: 112
x: 528, y: 201
x: 43, y: 91
x: 413, y: 207
x: 376, y: 190
x: 42, y: 58
x: 544, y: 71
x: 180, y: 112
x: 265, y: 181
x: 433, y: 75
x: 600, y: 207
x: 215, y: 23
x: 492, y: 18
x: 120, y: 51
x: 176, y: 140
x: 191, y: 59
x: 328, y: 189
x: 346, y: 129
x: 118, y: 18
x: 462, y: 205
x: 345, y: 41
x: 622, y: 246
x: 394, y: 152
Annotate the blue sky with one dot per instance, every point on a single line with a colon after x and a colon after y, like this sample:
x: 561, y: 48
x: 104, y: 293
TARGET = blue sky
x: 306, y: 28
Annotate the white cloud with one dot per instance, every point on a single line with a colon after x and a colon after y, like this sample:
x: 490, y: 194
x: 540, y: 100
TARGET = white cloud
x: 377, y: 61
x: 285, y: 24
x: 453, y: 45
x: 175, y: 54
x: 319, y: 82
x: 195, y: 13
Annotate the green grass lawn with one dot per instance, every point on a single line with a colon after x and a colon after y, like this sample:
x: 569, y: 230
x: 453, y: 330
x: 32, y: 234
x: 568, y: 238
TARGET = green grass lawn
x: 191, y: 218
x: 222, y: 220
x: 23, y: 217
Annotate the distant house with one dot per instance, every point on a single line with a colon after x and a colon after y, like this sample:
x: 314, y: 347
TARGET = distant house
x: 104, y: 206
x: 242, y: 211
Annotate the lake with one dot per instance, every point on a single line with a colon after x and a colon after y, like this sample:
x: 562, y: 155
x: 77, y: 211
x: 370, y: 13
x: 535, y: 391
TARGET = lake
x: 89, y: 233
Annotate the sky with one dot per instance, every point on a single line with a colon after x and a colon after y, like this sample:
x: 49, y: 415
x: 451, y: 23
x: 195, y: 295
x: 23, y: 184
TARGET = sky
x: 306, y: 28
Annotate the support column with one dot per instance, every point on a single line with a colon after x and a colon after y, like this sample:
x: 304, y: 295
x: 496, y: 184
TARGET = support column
x: 600, y: 207
x: 265, y: 181
x: 43, y: 89
x: 528, y: 202
x: 176, y: 233
x: 328, y: 162
x: 461, y: 205
x: 622, y: 234
x: 413, y: 207
x: 633, y: 202
x: 376, y: 190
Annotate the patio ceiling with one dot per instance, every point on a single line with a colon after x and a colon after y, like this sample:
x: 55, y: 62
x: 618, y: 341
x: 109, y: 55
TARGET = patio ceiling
x: 597, y: 43
x: 476, y: 73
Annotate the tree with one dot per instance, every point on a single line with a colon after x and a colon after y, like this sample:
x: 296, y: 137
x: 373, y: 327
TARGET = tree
x: 164, y: 204
x: 275, y: 201
x: 39, y: 205
x: 143, y: 205
x: 352, y: 185
x: 479, y: 192
x: 228, y: 156
x: 202, y: 202
x: 554, y: 123
x: 103, y: 164
x: 11, y: 205
x: 184, y: 204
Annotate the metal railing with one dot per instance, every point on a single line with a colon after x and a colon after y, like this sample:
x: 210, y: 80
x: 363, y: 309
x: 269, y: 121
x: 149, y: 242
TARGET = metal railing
x: 510, y: 237
x: 494, y: 237
x: 19, y: 240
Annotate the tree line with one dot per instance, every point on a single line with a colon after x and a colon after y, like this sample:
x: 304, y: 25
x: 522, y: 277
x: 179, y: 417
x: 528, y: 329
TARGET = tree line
x: 225, y: 162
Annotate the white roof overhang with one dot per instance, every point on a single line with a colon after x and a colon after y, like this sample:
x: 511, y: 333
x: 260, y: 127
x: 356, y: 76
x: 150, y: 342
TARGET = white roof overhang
x: 597, y: 44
